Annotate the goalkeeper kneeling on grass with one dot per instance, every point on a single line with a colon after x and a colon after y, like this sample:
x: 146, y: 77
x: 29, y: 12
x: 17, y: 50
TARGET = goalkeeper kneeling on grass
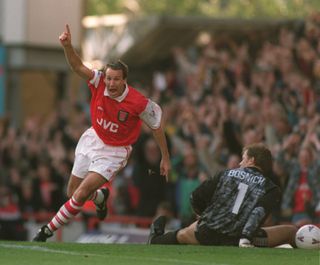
x: 232, y: 206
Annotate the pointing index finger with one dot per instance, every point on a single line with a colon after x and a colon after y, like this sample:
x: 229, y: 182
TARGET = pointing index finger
x: 67, y: 28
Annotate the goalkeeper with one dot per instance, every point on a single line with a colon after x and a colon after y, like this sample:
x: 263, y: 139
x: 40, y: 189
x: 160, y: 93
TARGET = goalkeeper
x: 232, y: 207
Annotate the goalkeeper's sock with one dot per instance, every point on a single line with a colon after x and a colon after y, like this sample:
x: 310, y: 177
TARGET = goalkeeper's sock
x: 68, y: 211
x: 169, y: 238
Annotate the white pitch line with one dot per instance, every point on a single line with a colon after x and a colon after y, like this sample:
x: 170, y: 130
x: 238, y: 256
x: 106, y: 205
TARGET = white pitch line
x: 74, y: 253
x: 43, y: 249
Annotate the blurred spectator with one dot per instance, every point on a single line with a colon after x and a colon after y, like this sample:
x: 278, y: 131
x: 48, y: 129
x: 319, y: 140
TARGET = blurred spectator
x: 47, y: 189
x: 190, y: 174
x: 124, y: 194
x: 233, y: 161
x: 11, y: 223
x: 146, y: 175
x: 302, y: 192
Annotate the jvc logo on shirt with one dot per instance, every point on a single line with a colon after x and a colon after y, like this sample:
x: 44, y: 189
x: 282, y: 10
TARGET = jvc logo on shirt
x: 108, y: 125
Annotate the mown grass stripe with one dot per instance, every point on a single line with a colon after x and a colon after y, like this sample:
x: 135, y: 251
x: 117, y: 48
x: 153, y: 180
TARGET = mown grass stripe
x: 74, y: 253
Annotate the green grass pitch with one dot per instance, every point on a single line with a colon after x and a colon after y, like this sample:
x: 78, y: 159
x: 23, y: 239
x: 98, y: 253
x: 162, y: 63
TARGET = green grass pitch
x: 27, y: 253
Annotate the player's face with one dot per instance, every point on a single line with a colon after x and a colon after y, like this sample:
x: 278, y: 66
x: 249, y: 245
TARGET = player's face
x: 246, y: 161
x: 114, y: 82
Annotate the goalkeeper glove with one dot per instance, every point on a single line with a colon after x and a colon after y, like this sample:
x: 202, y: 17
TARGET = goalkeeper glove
x: 245, y: 243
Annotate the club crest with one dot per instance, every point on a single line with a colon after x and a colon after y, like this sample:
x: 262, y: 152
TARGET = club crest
x: 123, y: 115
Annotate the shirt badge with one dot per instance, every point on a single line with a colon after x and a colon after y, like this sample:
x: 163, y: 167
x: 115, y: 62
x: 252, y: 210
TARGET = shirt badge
x: 123, y: 115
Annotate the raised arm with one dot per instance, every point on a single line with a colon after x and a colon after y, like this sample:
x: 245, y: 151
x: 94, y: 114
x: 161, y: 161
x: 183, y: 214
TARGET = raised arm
x: 72, y: 57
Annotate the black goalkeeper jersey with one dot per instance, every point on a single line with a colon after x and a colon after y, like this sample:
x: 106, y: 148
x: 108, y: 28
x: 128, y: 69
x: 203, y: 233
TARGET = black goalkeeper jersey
x: 235, y: 202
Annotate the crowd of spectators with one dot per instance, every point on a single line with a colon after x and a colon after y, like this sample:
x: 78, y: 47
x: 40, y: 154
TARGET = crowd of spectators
x: 216, y: 99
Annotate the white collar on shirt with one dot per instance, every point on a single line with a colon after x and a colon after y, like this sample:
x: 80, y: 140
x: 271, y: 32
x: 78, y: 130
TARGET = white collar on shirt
x: 120, y: 98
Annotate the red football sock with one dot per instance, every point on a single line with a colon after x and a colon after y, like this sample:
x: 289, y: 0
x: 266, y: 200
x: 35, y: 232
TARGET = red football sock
x: 68, y: 211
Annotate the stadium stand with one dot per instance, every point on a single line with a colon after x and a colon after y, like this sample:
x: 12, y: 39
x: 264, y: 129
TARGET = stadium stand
x: 217, y: 97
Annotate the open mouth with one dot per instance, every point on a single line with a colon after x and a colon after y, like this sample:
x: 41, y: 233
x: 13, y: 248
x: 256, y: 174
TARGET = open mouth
x: 113, y: 92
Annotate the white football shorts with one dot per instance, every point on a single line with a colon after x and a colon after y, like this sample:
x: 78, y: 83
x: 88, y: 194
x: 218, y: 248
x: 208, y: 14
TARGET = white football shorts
x: 92, y: 154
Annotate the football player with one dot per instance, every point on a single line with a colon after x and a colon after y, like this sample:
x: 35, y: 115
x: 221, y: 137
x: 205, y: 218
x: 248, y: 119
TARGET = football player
x: 232, y: 207
x: 117, y: 112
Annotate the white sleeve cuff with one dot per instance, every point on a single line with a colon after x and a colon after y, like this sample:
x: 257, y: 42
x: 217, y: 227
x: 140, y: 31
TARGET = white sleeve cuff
x: 152, y: 115
x: 96, y: 78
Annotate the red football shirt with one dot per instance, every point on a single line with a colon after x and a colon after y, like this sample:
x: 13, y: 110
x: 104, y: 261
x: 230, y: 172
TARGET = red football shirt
x: 116, y: 121
x: 303, y: 194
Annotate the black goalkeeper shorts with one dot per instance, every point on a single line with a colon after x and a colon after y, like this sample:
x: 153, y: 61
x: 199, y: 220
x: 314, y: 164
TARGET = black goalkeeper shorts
x: 209, y: 237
